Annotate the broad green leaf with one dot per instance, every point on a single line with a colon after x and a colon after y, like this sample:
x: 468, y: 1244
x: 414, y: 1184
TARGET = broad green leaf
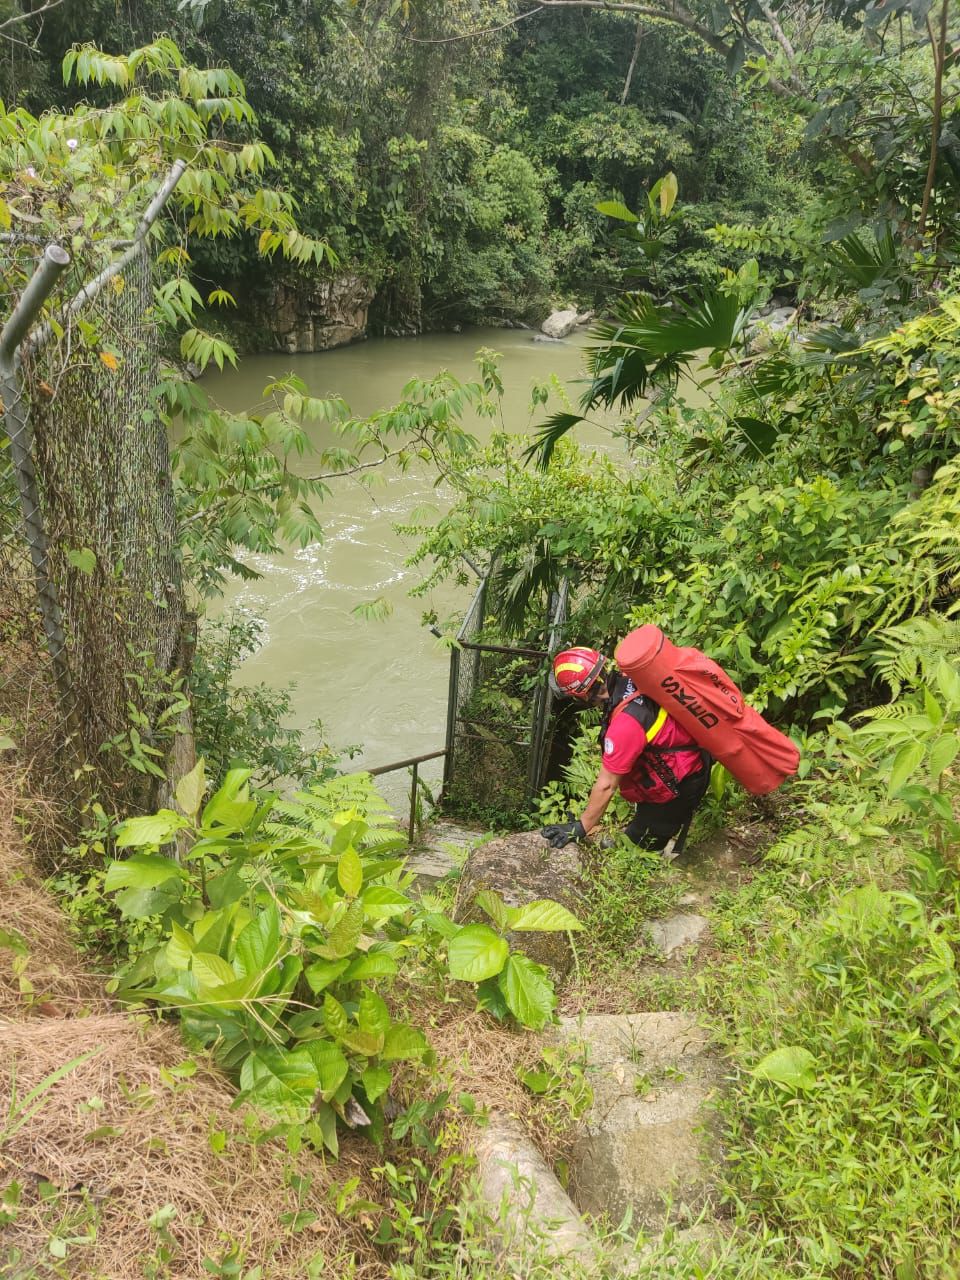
x: 948, y: 680
x: 229, y: 805
x: 372, y: 1014
x: 190, y: 789
x: 441, y: 924
x: 141, y: 904
x: 142, y: 871
x: 616, y: 209
x: 791, y: 1066
x: 334, y: 1016
x: 227, y: 888
x: 322, y: 972
x: 211, y: 971
x: 476, y: 952
x: 376, y: 1081
x: 215, y: 928
x: 351, y: 830
x: 528, y: 991
x: 282, y: 1082
x: 907, y: 761
x: 279, y: 980
x: 218, y: 1001
x: 302, y: 1024
x: 494, y: 906
x: 943, y: 754
x: 932, y: 708
x: 668, y: 193
x: 350, y: 872
x: 229, y: 815
x: 375, y: 964
x: 345, y: 935
x: 542, y: 916
x: 258, y: 945
x: 10, y: 940
x: 322, y: 1130
x: 154, y: 829
x: 84, y: 560
x: 402, y: 1042
x: 367, y: 1043
x: 537, y: 1081
x: 330, y: 1063
x: 180, y: 947
x: 381, y: 900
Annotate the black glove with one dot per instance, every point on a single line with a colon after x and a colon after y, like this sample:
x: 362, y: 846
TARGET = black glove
x: 562, y: 833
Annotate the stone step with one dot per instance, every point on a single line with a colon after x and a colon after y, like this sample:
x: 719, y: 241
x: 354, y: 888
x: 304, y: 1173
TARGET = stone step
x: 647, y: 1135
x: 440, y: 850
x: 676, y: 933
x: 529, y: 1215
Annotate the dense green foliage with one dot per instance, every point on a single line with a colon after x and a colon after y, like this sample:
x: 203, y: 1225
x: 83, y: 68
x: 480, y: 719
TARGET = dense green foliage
x: 458, y: 176
x: 267, y: 935
x: 235, y: 723
x: 841, y: 1008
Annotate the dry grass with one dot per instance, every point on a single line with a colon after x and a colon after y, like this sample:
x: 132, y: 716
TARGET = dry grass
x: 122, y: 1136
x: 125, y: 1133
x: 51, y: 979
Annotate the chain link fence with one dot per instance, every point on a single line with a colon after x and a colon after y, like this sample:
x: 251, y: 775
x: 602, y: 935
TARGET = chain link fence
x: 91, y: 601
x: 499, y: 717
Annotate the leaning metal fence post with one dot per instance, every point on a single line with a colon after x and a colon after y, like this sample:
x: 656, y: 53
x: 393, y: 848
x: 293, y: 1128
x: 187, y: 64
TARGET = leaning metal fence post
x: 15, y: 337
x: 412, y: 828
x: 51, y: 266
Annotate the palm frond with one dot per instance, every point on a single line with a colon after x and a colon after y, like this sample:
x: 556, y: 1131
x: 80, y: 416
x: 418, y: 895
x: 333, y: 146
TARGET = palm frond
x: 862, y: 262
x: 516, y: 588
x: 546, y: 437
x: 647, y: 345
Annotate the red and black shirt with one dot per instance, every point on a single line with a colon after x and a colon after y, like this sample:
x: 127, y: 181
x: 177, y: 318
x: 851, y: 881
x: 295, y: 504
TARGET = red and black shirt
x: 649, y: 751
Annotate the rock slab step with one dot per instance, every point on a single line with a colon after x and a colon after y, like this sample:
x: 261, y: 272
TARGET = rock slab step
x: 673, y: 933
x: 530, y: 1213
x: 430, y: 866
x: 522, y: 868
x: 441, y: 851
x: 647, y: 1133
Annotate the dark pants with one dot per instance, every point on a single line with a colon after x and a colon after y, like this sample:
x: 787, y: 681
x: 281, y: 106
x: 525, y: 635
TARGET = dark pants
x: 654, y: 825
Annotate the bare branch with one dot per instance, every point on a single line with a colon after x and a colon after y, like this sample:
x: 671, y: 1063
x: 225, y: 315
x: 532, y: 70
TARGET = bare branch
x: 673, y: 11
x: 16, y: 19
x: 782, y: 40
x: 633, y: 63
x: 939, y: 47
x: 270, y: 486
x: 470, y: 35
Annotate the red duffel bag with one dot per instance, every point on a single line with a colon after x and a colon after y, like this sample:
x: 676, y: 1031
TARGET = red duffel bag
x: 700, y: 695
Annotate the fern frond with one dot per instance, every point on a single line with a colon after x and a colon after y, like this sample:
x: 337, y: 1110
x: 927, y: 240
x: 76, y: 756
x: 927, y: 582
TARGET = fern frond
x: 912, y: 650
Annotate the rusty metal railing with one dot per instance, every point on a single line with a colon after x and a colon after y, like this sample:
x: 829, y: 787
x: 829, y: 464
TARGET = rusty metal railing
x: 414, y: 763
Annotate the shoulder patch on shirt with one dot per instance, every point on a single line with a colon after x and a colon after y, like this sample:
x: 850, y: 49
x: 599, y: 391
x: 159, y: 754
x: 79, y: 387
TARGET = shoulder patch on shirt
x: 607, y: 747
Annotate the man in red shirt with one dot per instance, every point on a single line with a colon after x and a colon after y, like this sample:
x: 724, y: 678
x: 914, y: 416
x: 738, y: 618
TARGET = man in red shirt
x: 646, y: 754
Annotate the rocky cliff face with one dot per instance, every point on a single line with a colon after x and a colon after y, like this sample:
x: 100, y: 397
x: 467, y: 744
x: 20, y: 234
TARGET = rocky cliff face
x: 319, y: 314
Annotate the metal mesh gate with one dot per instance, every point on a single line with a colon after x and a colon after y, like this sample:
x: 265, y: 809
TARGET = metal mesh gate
x: 91, y: 603
x: 498, y: 717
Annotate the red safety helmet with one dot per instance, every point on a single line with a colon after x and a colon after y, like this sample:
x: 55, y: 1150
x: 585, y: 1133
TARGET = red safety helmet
x: 576, y: 671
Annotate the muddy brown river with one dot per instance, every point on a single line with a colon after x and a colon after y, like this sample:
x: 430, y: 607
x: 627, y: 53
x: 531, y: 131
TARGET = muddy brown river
x: 381, y: 685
